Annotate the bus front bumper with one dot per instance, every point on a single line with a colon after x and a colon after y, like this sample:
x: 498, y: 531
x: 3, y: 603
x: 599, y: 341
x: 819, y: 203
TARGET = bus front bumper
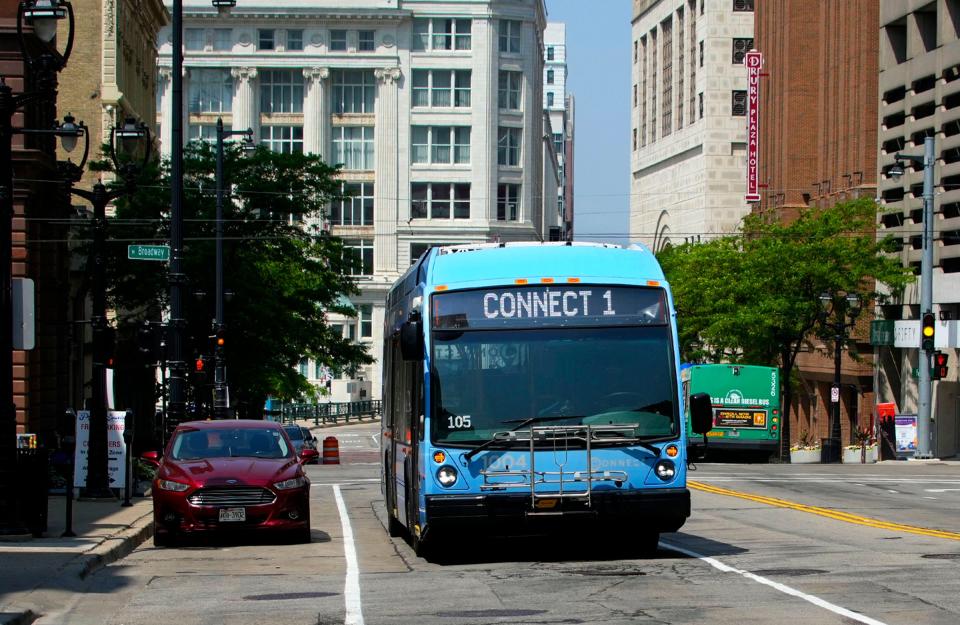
x: 664, y: 509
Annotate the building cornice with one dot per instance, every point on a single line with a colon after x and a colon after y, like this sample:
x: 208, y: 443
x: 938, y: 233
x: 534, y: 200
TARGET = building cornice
x: 295, y: 13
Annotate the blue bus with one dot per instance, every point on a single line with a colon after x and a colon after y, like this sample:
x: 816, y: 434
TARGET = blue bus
x: 527, y: 385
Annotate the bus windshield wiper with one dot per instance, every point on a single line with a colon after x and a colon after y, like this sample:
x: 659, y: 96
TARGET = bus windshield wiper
x: 520, y: 424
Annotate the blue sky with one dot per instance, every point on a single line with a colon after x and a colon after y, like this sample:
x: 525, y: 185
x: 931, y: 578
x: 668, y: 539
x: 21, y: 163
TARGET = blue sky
x: 598, y: 62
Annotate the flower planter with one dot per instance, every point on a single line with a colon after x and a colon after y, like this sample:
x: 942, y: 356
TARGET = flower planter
x: 804, y: 456
x: 852, y: 456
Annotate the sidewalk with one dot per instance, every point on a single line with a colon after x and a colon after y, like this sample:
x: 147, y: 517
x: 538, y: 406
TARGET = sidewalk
x: 105, y: 532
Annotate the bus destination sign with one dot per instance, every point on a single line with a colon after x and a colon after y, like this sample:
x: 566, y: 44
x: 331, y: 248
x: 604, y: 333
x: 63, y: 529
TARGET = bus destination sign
x: 549, y: 306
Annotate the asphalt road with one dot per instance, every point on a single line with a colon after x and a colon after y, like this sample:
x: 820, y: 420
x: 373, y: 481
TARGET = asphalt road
x: 766, y: 544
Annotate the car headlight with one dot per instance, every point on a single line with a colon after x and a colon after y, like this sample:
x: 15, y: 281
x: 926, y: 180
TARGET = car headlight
x: 294, y: 482
x: 176, y: 487
x: 665, y: 470
x: 447, y: 475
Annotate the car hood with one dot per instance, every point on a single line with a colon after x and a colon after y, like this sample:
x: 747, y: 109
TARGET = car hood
x: 230, y: 471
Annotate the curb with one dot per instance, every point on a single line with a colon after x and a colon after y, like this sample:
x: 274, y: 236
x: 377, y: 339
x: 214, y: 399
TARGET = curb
x: 115, y: 547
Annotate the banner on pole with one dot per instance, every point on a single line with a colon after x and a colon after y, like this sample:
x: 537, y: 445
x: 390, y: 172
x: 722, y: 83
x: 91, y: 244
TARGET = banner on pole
x: 116, y: 449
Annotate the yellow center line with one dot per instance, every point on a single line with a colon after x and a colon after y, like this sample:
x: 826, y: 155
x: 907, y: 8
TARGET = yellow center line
x: 826, y: 512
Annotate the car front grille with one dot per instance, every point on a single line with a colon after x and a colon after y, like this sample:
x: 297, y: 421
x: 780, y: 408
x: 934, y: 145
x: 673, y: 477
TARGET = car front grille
x: 231, y: 497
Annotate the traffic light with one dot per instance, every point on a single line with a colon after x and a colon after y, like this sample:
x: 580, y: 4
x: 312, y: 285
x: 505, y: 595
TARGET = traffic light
x: 927, y: 330
x: 200, y: 364
x: 940, y: 369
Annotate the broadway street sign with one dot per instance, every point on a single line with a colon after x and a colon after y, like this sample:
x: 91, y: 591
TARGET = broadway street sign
x: 148, y: 252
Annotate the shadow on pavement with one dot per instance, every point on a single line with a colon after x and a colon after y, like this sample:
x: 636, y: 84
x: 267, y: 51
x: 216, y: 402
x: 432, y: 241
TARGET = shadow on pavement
x: 240, y: 539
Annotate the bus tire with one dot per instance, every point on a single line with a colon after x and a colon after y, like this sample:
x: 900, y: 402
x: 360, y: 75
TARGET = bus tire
x: 394, y: 527
x: 424, y: 546
x: 647, y: 543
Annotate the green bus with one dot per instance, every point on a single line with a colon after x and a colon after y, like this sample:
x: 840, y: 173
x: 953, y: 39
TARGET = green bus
x: 746, y: 407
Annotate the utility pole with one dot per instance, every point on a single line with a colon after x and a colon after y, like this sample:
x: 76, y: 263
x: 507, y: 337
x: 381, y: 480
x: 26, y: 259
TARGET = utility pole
x: 925, y: 434
x: 177, y: 381
x: 221, y: 393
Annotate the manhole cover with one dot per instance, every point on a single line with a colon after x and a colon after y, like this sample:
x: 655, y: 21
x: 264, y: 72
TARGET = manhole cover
x: 489, y: 613
x: 941, y: 556
x: 790, y: 572
x: 285, y: 596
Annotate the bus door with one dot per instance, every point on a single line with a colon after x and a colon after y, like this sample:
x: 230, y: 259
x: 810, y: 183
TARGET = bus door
x: 414, y: 464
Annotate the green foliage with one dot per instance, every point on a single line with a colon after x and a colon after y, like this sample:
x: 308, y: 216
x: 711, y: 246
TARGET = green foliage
x: 284, y: 277
x: 748, y: 297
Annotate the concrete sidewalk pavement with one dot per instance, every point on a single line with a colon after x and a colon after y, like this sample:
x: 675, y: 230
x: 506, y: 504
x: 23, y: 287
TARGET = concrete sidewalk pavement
x: 33, y: 570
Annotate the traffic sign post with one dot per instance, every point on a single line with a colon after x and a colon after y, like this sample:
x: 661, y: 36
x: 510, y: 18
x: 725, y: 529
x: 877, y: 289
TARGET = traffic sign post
x: 148, y: 252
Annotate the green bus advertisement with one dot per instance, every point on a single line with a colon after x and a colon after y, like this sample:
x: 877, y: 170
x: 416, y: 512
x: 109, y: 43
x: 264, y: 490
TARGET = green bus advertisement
x: 746, y: 407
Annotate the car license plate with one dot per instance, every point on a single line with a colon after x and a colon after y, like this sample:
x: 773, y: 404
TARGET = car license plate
x: 734, y: 434
x: 233, y: 514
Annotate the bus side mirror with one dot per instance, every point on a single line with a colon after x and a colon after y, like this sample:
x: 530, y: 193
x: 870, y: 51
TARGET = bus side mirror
x: 411, y: 340
x: 701, y: 413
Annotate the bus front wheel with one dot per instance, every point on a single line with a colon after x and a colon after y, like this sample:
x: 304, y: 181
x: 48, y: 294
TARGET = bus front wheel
x: 394, y: 527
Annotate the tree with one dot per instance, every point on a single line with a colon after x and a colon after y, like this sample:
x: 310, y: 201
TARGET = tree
x: 285, y: 275
x: 754, y: 297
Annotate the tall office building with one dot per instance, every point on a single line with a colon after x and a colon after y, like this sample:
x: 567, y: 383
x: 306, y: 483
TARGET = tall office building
x: 688, y: 119
x: 558, y: 104
x: 434, y: 108
x: 817, y: 147
x: 919, y: 98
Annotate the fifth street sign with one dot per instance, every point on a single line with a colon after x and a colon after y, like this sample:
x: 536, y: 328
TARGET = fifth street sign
x: 148, y: 252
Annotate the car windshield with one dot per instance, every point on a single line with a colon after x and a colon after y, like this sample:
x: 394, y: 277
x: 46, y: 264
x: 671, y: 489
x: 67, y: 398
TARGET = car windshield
x: 230, y: 443
x: 295, y: 434
x: 484, y: 382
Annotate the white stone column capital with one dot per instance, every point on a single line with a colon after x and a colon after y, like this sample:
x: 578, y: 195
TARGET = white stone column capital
x: 388, y: 75
x: 244, y: 74
x: 316, y: 74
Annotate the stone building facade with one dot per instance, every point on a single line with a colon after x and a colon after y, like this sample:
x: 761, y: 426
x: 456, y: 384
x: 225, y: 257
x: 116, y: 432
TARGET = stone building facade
x: 688, y: 119
x: 435, y: 109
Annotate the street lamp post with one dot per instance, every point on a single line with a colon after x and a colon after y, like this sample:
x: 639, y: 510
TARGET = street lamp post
x: 132, y: 143
x: 842, y: 306
x: 221, y: 395
x: 925, y: 390
x: 43, y: 16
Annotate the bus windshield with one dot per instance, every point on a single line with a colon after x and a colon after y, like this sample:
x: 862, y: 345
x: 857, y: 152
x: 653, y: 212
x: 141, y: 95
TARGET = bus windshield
x: 484, y: 382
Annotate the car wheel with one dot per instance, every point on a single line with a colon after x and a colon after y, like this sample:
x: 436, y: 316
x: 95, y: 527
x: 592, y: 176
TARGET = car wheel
x: 162, y: 538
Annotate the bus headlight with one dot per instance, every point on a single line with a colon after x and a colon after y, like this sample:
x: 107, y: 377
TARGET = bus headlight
x: 665, y: 470
x: 447, y: 475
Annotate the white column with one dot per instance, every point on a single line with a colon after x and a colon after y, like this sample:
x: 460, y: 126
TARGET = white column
x: 386, y: 194
x: 246, y: 113
x: 166, y: 110
x: 316, y: 112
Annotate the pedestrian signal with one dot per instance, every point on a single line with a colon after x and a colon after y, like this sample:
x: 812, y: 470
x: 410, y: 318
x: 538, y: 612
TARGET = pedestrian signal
x: 940, y: 369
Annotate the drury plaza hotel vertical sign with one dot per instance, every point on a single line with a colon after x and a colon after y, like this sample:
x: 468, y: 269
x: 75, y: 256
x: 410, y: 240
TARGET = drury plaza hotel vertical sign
x: 754, y: 61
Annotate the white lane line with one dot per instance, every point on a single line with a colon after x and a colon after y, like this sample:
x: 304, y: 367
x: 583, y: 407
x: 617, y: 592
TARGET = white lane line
x: 351, y: 588
x: 346, y: 483
x: 817, y: 601
x: 940, y: 490
x: 929, y: 497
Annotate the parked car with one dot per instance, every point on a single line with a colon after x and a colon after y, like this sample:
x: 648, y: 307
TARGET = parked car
x: 218, y: 476
x: 302, y: 438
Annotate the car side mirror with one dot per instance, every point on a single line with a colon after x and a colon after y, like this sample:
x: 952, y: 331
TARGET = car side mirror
x: 151, y: 455
x: 411, y: 340
x: 701, y: 413
x: 308, y: 455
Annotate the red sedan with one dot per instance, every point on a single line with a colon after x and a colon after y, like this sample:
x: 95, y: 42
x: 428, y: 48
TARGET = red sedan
x: 230, y: 475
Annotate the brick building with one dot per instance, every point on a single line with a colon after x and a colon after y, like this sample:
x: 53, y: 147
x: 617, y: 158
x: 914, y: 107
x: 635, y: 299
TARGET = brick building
x: 39, y: 376
x: 818, y: 139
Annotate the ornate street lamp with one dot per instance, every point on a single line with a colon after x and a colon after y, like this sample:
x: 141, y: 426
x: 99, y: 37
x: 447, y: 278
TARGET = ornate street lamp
x: 130, y: 147
x: 39, y: 14
x: 841, y: 306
